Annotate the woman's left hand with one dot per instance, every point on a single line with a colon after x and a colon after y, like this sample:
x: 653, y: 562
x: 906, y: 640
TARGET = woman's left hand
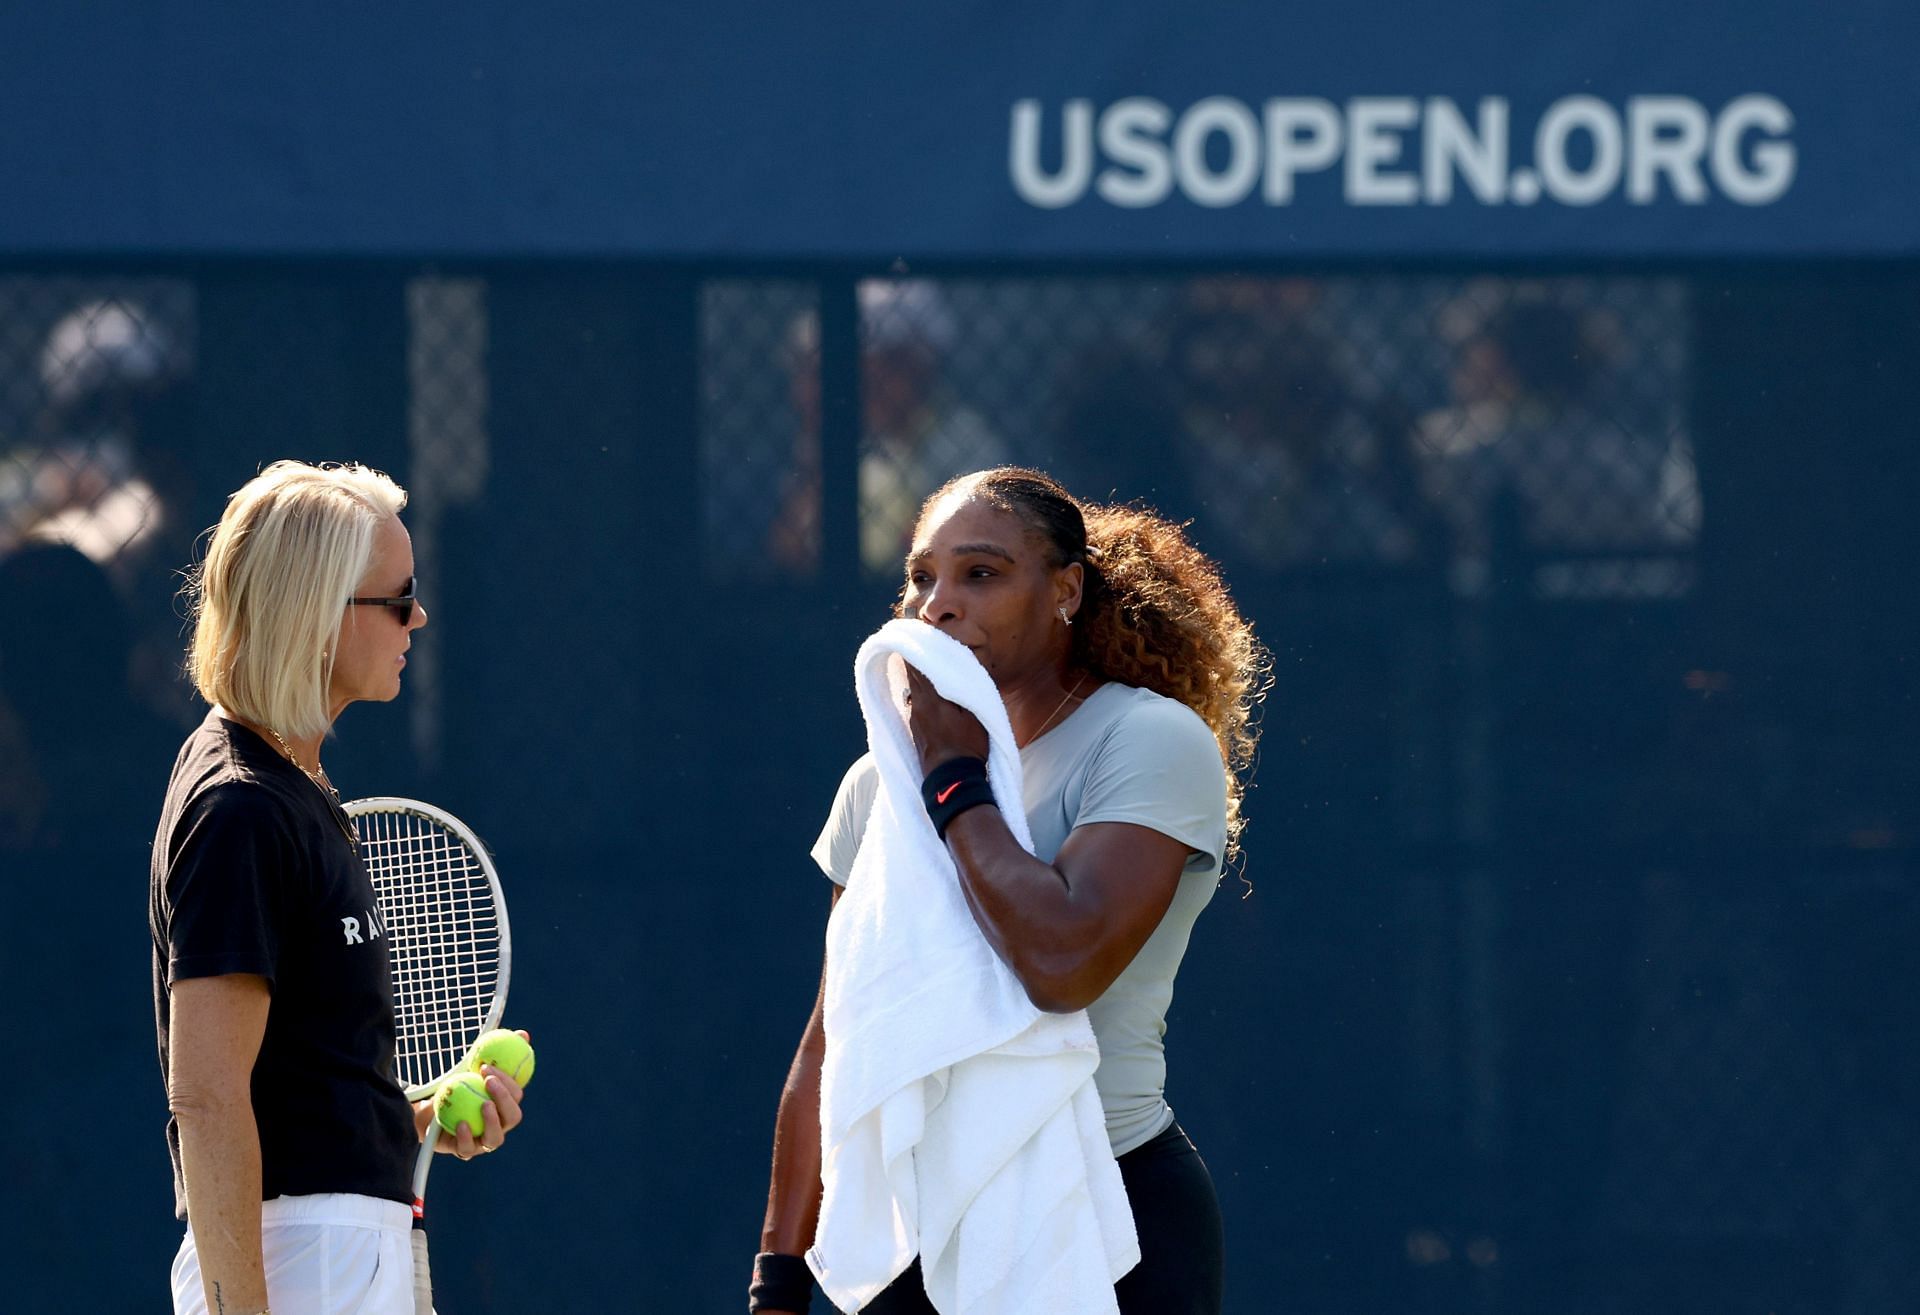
x: 500, y: 1114
x: 942, y: 730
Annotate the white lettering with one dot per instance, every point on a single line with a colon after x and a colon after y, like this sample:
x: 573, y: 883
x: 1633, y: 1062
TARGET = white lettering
x: 1076, y: 155
x: 1373, y: 123
x: 1401, y: 150
x: 1130, y: 133
x: 1302, y: 135
x: 352, y: 928
x: 1602, y: 125
x: 1665, y: 134
x: 1234, y: 121
x: 1774, y: 161
x: 1449, y: 144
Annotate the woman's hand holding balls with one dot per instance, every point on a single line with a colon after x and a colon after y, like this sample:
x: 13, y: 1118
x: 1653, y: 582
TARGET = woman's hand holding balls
x: 479, y: 1105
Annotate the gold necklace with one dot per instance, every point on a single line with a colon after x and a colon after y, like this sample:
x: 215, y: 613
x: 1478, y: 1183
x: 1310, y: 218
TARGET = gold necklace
x: 318, y: 777
x: 1056, y: 712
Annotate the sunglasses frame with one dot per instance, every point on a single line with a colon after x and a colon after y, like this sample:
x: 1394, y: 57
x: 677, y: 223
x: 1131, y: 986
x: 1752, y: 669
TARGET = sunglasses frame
x: 403, y: 604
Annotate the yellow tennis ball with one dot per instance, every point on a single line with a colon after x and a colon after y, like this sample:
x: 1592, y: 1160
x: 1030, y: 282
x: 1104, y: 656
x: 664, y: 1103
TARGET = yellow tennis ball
x: 507, y: 1051
x: 459, y: 1100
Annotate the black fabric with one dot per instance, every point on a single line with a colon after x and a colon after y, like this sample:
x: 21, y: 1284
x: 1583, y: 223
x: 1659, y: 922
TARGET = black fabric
x: 1182, y: 1269
x: 254, y: 871
x: 953, y: 787
x: 780, y: 1282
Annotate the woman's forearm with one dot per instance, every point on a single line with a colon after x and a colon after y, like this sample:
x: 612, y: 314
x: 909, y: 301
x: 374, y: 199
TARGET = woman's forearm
x: 1024, y: 907
x: 220, y: 1159
x: 218, y: 1023
x: 793, y: 1195
x: 1068, y: 928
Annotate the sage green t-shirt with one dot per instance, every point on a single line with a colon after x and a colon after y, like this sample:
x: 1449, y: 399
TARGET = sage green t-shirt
x: 1124, y: 755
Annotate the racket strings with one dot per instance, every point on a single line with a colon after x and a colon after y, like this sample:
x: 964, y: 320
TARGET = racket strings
x: 443, y: 934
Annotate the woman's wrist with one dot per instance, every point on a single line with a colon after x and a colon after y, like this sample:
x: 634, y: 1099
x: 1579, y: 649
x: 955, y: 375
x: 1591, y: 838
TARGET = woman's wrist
x: 780, y: 1282
x: 953, y: 787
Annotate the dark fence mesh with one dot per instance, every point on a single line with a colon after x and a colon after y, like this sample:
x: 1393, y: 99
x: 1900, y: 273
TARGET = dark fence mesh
x: 760, y: 426
x: 1576, y: 973
x: 449, y: 462
x: 1300, y: 422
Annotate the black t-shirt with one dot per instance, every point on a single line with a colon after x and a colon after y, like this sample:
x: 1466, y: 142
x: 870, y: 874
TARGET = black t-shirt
x: 255, y: 871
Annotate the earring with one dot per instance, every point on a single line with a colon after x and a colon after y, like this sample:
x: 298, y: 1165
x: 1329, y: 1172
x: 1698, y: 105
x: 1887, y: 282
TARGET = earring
x: 1065, y: 620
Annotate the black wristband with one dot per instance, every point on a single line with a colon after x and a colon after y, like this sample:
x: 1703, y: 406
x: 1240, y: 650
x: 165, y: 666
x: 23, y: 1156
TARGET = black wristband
x: 952, y: 788
x: 780, y: 1282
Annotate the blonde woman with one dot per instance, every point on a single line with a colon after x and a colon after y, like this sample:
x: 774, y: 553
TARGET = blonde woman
x: 291, y: 1141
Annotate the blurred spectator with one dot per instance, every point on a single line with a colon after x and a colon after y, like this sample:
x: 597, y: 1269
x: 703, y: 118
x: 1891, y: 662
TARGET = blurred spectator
x: 1289, y: 467
x: 81, y: 758
x: 1525, y: 429
x: 111, y: 476
x: 110, y: 376
x: 915, y: 434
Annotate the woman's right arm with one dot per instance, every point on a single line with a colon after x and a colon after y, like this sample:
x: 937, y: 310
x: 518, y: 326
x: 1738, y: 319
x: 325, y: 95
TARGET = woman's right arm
x: 793, y: 1196
x: 214, y: 1036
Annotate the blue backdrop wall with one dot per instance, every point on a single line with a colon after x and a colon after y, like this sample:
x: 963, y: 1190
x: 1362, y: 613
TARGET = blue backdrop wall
x: 739, y: 129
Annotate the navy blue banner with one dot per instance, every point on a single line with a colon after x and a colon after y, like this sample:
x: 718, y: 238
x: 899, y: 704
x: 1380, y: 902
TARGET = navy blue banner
x: 1136, y: 130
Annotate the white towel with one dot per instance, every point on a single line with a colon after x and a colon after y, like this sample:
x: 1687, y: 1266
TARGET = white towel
x: 957, y: 1121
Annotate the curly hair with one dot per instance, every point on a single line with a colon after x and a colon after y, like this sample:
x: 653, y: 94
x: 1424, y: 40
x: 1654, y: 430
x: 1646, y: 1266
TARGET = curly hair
x: 1154, y: 611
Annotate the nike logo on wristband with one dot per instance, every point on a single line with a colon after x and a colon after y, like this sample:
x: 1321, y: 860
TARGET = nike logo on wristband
x: 941, y: 798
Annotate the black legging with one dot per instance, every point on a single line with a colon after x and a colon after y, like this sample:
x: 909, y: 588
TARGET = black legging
x: 1182, y: 1241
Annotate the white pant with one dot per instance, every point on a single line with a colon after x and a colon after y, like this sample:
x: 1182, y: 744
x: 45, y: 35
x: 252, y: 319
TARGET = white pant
x: 334, y: 1254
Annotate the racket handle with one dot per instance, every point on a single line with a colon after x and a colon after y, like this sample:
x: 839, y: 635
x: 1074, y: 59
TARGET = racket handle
x: 422, y: 1276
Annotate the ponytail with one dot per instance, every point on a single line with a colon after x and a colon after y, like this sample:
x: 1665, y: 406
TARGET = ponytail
x: 1155, y: 613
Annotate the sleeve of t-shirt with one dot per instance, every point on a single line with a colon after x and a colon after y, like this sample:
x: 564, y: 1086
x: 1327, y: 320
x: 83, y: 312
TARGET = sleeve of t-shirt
x: 225, y: 886
x: 1160, y: 767
x: 839, y: 839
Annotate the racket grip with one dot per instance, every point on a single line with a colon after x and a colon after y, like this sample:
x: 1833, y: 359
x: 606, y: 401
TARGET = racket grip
x: 422, y: 1276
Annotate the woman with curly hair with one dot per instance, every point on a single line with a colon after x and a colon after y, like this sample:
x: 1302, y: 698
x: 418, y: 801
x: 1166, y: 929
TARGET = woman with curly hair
x: 1130, y: 679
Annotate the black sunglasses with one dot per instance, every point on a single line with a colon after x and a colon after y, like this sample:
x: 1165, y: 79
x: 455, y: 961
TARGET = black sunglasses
x: 402, y: 606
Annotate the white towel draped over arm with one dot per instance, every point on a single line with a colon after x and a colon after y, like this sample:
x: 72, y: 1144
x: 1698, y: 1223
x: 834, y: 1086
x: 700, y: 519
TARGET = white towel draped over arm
x: 957, y: 1121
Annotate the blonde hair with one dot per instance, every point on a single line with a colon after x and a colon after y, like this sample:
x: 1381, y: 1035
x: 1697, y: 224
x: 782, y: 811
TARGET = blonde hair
x: 267, y: 600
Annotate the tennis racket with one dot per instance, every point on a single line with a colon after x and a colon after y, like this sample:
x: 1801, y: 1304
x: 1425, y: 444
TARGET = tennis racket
x: 447, y: 937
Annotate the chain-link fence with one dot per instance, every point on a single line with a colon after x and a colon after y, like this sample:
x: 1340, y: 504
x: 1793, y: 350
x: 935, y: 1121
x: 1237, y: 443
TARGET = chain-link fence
x: 1299, y: 422
x: 449, y: 460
